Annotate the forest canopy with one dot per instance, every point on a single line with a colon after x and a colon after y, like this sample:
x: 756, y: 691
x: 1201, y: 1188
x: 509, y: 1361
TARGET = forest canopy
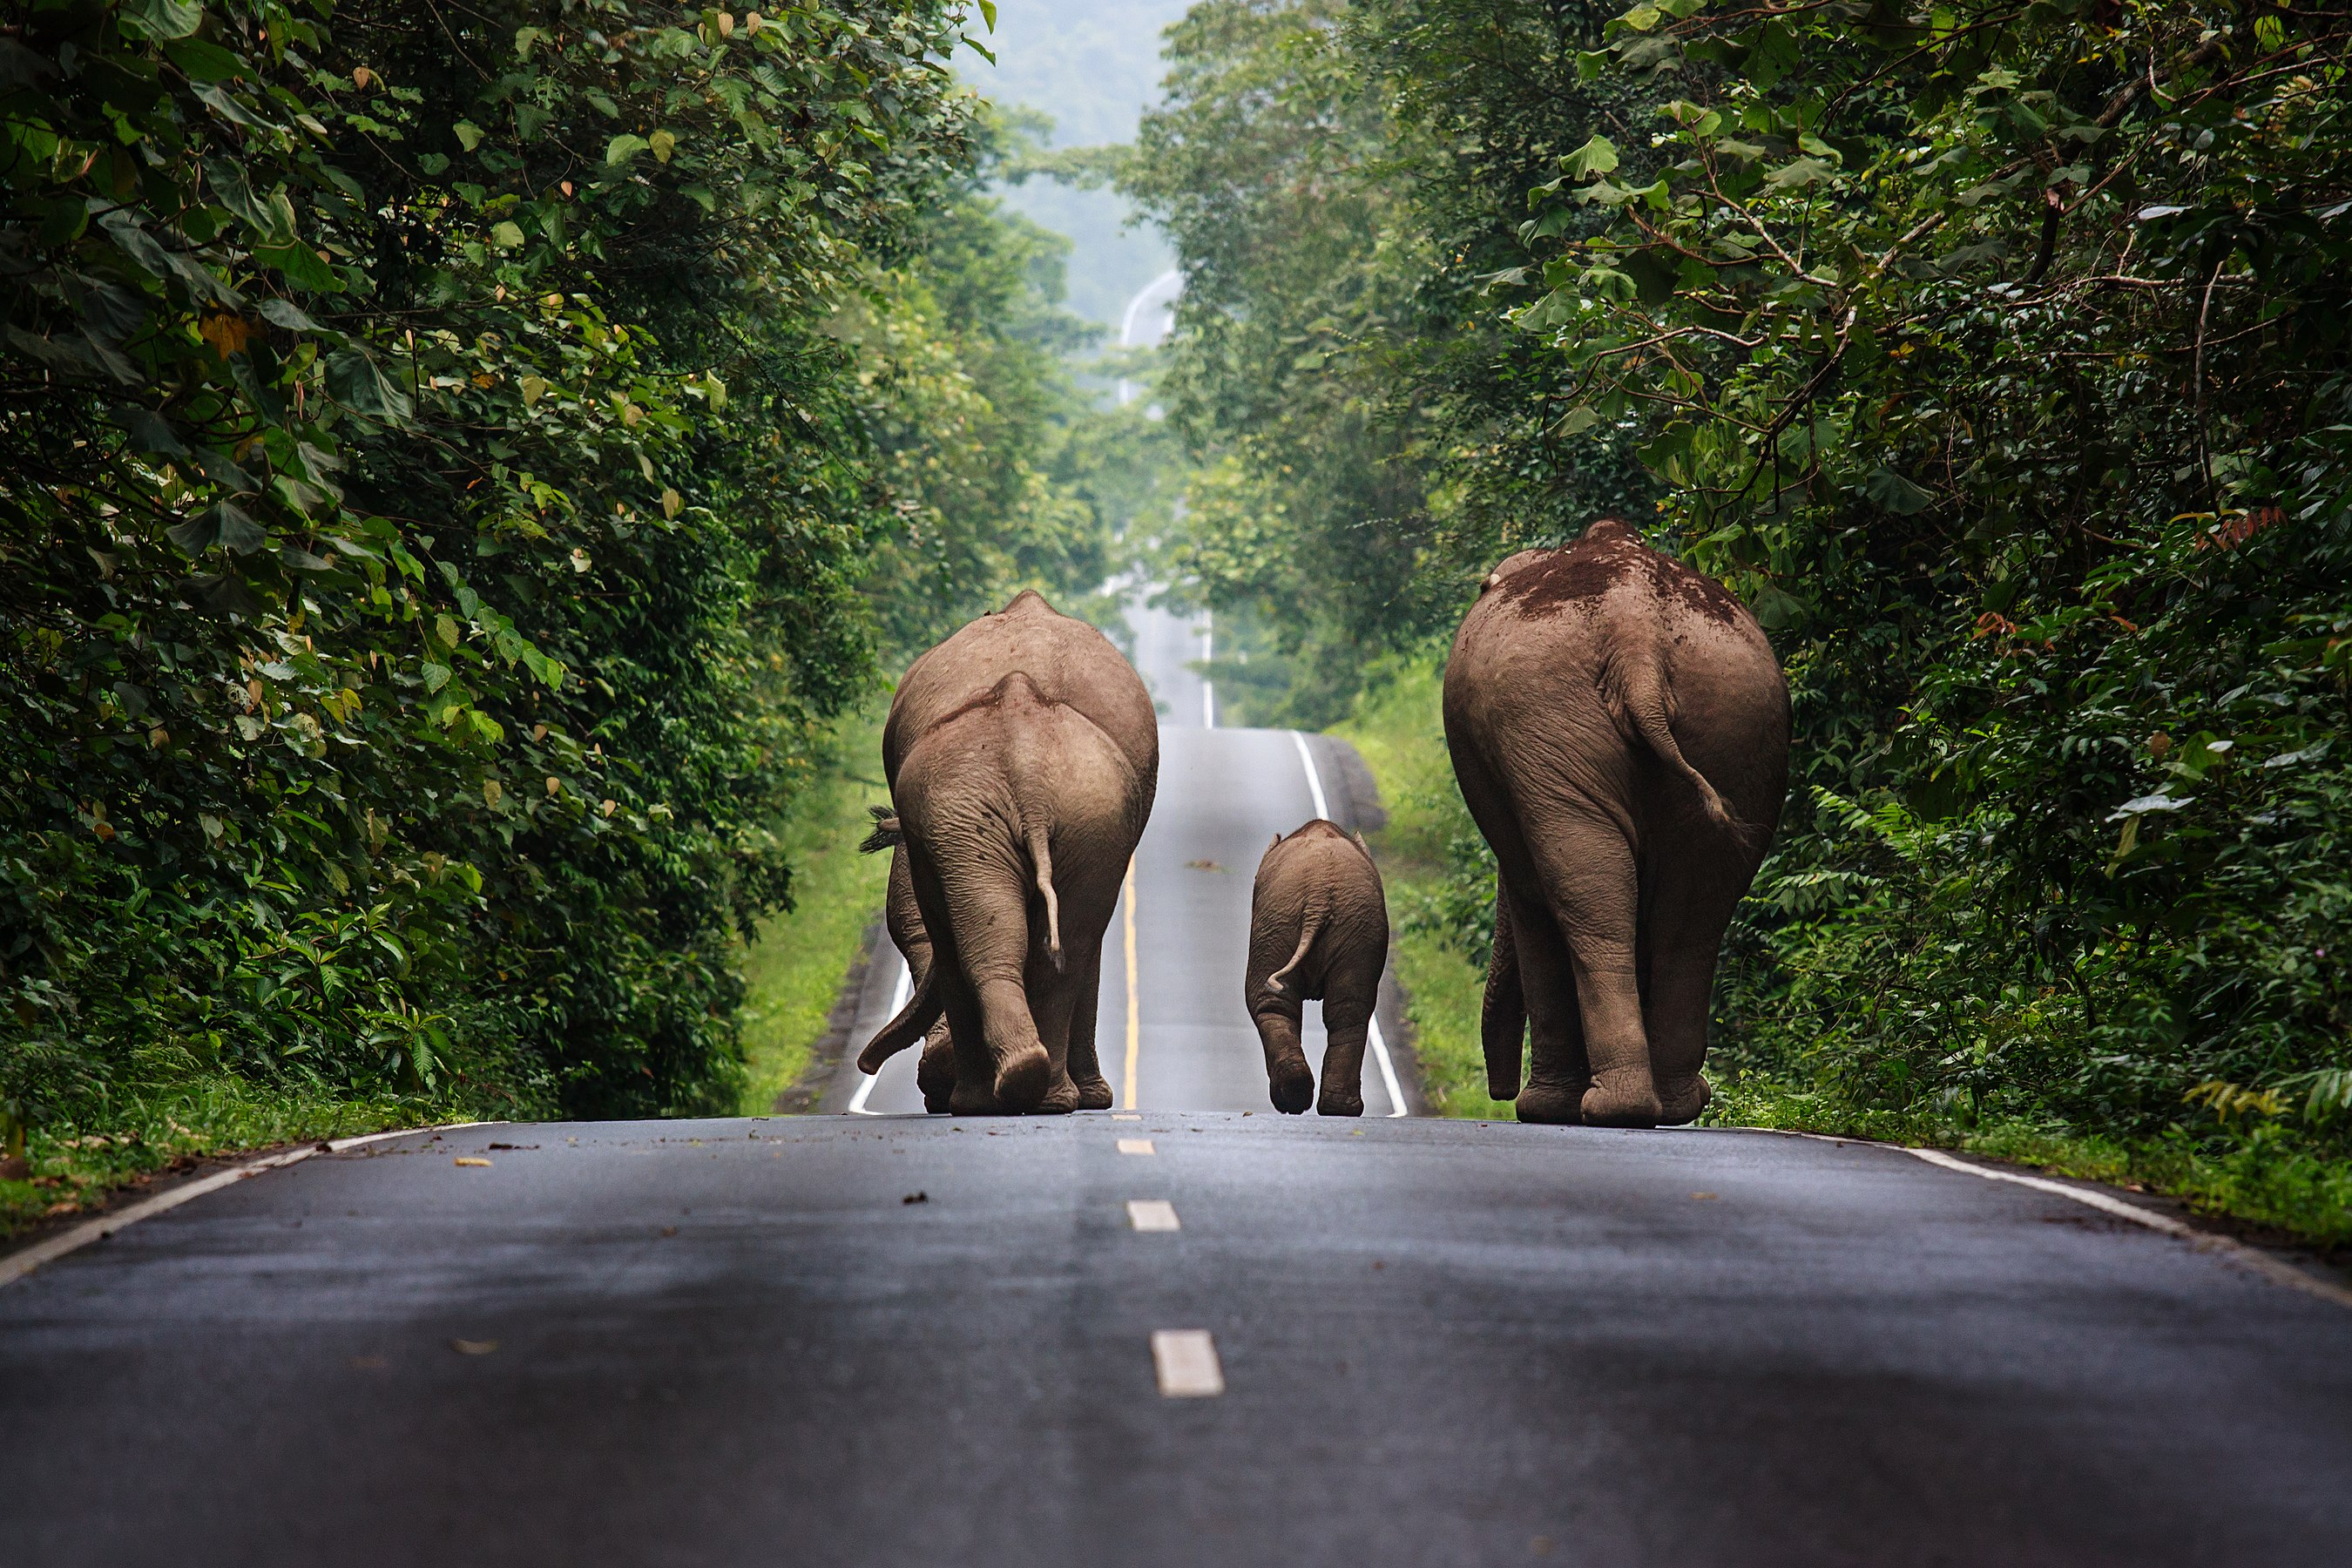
x: 456, y: 465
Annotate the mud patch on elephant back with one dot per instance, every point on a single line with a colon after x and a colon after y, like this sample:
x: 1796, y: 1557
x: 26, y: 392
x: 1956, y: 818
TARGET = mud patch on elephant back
x: 1694, y: 591
x: 1576, y: 575
x: 1611, y: 553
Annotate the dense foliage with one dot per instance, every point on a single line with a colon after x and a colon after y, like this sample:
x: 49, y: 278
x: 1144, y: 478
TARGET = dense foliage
x: 442, y: 460
x: 1995, y: 353
x: 1341, y: 182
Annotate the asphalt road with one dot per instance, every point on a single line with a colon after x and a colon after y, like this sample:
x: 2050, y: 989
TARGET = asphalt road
x: 1430, y: 1342
x: 733, y: 1341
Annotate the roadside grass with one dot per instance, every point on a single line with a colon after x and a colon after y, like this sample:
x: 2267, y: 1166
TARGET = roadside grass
x: 72, y: 1169
x: 2259, y: 1176
x: 793, y: 971
x: 1396, y: 727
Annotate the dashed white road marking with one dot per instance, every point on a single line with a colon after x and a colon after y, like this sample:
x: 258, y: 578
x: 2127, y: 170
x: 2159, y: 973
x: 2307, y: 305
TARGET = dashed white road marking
x: 1379, y: 1042
x: 1125, y: 1116
x: 898, y: 994
x: 1186, y: 1361
x: 1136, y: 1146
x: 18, y: 1265
x: 1152, y: 1213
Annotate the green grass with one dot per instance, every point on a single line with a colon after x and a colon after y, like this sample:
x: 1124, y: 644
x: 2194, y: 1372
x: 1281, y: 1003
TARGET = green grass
x: 1397, y: 728
x: 73, y: 1169
x: 795, y: 968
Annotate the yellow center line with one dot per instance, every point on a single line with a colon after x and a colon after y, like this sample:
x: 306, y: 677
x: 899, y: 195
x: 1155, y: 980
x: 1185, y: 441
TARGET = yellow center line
x: 1134, y: 1013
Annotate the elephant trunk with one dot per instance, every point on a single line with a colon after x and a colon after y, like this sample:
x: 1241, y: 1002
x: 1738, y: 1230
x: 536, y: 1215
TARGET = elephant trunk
x: 1503, y: 1019
x: 922, y: 1011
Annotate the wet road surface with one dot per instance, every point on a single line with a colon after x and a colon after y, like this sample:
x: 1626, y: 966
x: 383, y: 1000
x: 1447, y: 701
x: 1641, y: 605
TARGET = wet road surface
x: 735, y: 1341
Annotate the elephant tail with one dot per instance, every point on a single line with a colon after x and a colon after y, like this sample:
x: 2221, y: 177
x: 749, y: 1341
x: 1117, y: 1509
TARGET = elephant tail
x: 886, y: 833
x: 914, y: 1020
x: 1645, y: 705
x: 1310, y: 926
x: 1041, y: 863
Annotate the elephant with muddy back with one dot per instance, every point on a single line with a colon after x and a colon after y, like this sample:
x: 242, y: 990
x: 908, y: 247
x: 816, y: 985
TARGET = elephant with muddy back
x: 1022, y: 754
x: 1620, y: 730
x: 1319, y: 930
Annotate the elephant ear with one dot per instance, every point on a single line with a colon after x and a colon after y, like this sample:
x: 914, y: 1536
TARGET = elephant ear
x: 886, y: 834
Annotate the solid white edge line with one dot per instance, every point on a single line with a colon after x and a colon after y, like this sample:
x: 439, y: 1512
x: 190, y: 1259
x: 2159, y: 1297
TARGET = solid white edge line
x: 1208, y: 687
x: 900, y: 990
x: 1379, y: 1042
x: 1388, y: 1069
x: 1314, y: 779
x: 2226, y: 1247
x: 18, y: 1265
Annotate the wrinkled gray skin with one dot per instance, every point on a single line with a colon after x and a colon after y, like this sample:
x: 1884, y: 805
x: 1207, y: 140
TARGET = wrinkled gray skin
x: 1620, y: 729
x: 1040, y: 754
x: 1318, y: 930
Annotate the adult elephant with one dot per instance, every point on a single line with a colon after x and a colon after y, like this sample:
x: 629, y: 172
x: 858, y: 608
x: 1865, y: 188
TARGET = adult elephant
x: 1018, y: 803
x: 1620, y: 728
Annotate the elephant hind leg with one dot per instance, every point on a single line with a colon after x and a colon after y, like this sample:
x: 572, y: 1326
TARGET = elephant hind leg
x: 1592, y: 888
x: 1086, y: 1066
x: 1346, y: 1026
x: 1289, y: 1081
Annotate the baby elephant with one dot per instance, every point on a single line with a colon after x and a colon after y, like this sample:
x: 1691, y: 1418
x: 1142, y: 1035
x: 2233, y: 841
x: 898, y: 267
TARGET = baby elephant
x: 1318, y: 928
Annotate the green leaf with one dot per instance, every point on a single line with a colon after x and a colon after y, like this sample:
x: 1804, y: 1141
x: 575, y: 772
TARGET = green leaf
x: 301, y: 267
x: 988, y: 14
x: 469, y: 134
x: 1798, y: 172
x: 506, y: 236
x: 534, y: 388
x: 662, y: 143
x: 354, y: 381
x: 1641, y: 17
x: 1894, y: 493
x: 164, y: 19
x: 623, y: 147
x: 1597, y: 157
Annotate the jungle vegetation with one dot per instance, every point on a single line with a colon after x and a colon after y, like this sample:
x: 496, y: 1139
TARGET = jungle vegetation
x: 457, y: 466
x: 1994, y: 352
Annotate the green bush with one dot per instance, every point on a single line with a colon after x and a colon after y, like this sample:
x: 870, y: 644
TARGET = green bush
x: 437, y: 502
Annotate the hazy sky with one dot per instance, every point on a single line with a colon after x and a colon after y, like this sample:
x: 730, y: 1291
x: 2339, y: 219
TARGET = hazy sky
x: 1091, y: 65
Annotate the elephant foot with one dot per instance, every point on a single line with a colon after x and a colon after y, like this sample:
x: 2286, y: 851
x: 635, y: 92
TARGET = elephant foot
x: 1332, y: 1103
x: 1561, y: 1104
x: 1290, y: 1086
x: 1022, y: 1080
x: 1621, y: 1105
x: 1093, y: 1092
x: 935, y: 1075
x: 1681, y: 1100
x: 1060, y: 1100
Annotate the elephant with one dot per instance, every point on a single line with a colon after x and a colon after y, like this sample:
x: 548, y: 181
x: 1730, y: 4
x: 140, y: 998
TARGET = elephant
x: 1318, y: 928
x: 1620, y: 729
x: 979, y: 789
x: 903, y: 918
